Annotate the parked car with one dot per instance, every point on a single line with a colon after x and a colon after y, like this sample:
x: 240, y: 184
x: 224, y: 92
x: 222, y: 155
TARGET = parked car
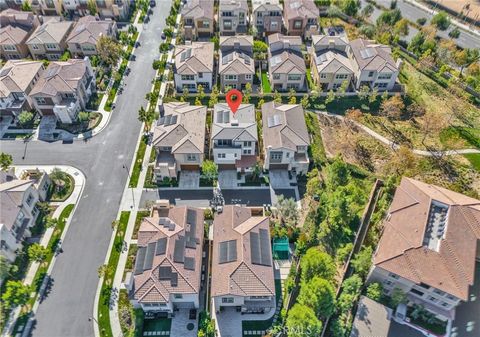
x: 163, y: 36
x: 152, y: 3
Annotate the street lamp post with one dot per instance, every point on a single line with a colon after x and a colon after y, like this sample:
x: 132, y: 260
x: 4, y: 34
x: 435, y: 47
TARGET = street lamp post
x: 128, y: 174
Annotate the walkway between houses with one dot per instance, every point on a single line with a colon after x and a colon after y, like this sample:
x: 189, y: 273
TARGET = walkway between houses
x: 79, y: 179
x: 395, y: 145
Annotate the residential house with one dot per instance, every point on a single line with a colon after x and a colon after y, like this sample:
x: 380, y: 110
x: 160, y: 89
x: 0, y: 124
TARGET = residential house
x: 83, y: 39
x: 64, y: 89
x: 373, y: 64
x: 233, y: 17
x: 18, y: 211
x: 285, y: 137
x: 49, y: 41
x: 237, y: 66
x: 179, y: 139
x: 117, y: 9
x: 267, y: 16
x: 301, y: 18
x: 17, y: 78
x: 194, y: 66
x: 242, y: 266
x: 46, y: 7
x: 167, y: 271
x: 234, y: 137
x: 428, y: 248
x: 76, y: 7
x: 286, y: 65
x: 16, y: 28
x: 198, y: 19
x: 330, y: 64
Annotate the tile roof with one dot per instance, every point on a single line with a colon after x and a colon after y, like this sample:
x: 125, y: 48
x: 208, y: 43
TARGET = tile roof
x: 402, y: 249
x: 289, y: 129
x: 52, y: 31
x: 328, y: 40
x: 194, y: 58
x: 198, y: 9
x: 236, y: 63
x: 12, y: 35
x: 17, y: 75
x: 60, y: 77
x: 371, y: 56
x: 11, y: 197
x: 332, y: 61
x: 155, y: 282
x: 241, y: 40
x: 300, y: 9
x: 18, y: 18
x: 266, y: 5
x: 233, y: 5
x: 285, y: 62
x: 291, y: 40
x: 187, y: 135
x: 241, y: 277
x: 246, y: 130
x: 89, y: 29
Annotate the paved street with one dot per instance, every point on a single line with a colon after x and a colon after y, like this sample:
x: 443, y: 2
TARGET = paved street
x: 66, y: 310
x: 202, y: 197
x: 465, y: 40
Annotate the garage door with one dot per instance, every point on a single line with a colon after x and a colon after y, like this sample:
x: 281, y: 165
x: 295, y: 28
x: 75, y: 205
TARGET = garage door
x: 190, y: 167
x: 278, y: 166
x: 226, y: 167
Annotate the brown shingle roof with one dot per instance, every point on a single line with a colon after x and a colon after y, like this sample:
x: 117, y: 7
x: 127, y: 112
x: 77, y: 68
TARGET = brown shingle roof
x: 12, y: 35
x: 240, y: 277
x: 198, y: 9
x: 17, y: 75
x: 300, y: 9
x: 194, y: 58
x: 89, y: 29
x: 52, y: 31
x: 372, y: 56
x: 402, y: 251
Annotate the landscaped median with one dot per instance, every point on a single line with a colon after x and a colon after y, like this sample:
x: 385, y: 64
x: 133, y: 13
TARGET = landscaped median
x: 137, y: 166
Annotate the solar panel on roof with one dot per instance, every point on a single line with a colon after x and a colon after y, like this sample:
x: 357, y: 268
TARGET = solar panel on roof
x: 165, y: 273
x: 222, y: 252
x: 167, y: 120
x: 174, y: 280
x: 161, y: 246
x: 232, y: 250
x: 227, y: 251
x: 191, y: 216
x: 147, y: 264
x: 189, y: 263
x: 189, y: 53
x: 265, y: 248
x: 255, y: 248
x: 179, y: 250
x: 161, y: 121
x: 139, y: 260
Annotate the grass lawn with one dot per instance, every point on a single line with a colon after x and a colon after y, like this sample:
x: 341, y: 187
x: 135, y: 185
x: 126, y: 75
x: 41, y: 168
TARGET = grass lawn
x: 474, y: 159
x: 14, y: 135
x: 131, y: 323
x: 135, y: 172
x: 103, y: 302
x: 266, y: 84
x: 66, y: 191
x: 138, y: 221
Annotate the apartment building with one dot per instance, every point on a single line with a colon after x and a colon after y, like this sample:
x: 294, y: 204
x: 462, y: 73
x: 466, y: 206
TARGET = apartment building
x: 16, y: 27
x: 373, y: 64
x: 49, y: 41
x: 242, y: 266
x: 286, y: 66
x: 84, y: 37
x: 234, y: 137
x: 179, y: 139
x: 301, y: 18
x: 429, y: 247
x: 17, y: 78
x: 267, y: 16
x: 233, y: 17
x: 285, y: 137
x: 330, y: 64
x: 236, y: 63
x: 64, y: 89
x: 198, y: 19
x: 167, y: 271
x: 194, y: 66
x: 18, y: 211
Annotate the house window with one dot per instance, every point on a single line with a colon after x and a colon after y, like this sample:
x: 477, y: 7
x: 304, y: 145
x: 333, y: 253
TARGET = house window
x: 382, y: 85
x: 276, y: 156
x: 294, y: 77
x: 297, y: 24
x: 227, y: 24
x: 200, y: 75
x: 432, y: 299
x: 29, y: 200
x: 241, y: 18
x: 387, y: 283
x: 233, y: 86
x: 394, y: 276
x: 384, y: 76
x: 301, y: 148
x: 177, y: 296
x: 206, y: 24
x: 227, y: 299
x: 189, y: 22
x: 9, y: 47
x: 450, y: 297
x: 227, y: 14
x: 190, y: 86
x: 439, y: 292
x: 50, y: 46
x: 40, y: 100
x: 34, y: 47
x: 188, y: 77
x: 445, y: 305
x: 191, y: 157
x: 247, y: 151
x: 274, y: 25
x: 341, y: 76
x: 276, y: 76
x: 221, y: 155
x: 370, y: 74
x: 230, y: 77
x: 224, y: 142
x: 248, y: 77
x: 287, y: 154
x: 35, y: 211
x: 259, y: 21
x: 323, y: 76
x: 417, y: 292
x: 247, y: 144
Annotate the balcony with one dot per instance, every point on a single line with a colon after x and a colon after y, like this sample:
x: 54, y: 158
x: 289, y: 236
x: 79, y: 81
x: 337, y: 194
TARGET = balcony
x: 165, y: 165
x: 67, y: 110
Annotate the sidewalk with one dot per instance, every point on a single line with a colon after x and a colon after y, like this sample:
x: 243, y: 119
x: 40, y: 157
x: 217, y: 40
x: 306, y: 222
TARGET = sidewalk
x: 79, y: 178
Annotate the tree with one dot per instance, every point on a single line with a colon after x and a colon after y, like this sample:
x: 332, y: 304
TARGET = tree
x: 37, y: 252
x: 342, y: 89
x: 333, y: 11
x: 209, y: 169
x: 389, y: 18
x: 305, y: 101
x: 330, y: 97
x: 454, y: 33
x: 401, y: 27
x: 292, y: 99
x: 260, y: 49
x: 397, y: 297
x: 5, y: 161
x: 277, y: 98
x: 16, y: 294
x: 362, y: 261
x: 374, y: 291
x: 26, y: 7
x: 58, y: 177
x: 213, y: 97
x: 319, y: 295
x: 247, y: 92
x: 200, y: 92
x: 260, y: 103
x: 432, y: 123
x: 464, y: 58
x: 83, y: 116
x: 441, y: 21
x: 363, y: 92
x: 286, y: 210
x: 109, y: 50
x: 337, y: 174
x: 415, y: 110
x: 184, y: 94
x: 4, y: 267
x: 197, y: 101
x: 51, y: 222
x: 104, y: 271
x: 146, y: 116
x: 302, y: 322
x: 422, y: 21
x: 92, y: 7
x: 350, y: 7
x: 367, y: 11
x: 403, y: 161
x: 317, y: 263
x: 25, y: 117
x: 373, y: 96
x: 393, y: 107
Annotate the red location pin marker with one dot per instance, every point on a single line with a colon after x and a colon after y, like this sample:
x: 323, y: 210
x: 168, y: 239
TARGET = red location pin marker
x: 234, y: 99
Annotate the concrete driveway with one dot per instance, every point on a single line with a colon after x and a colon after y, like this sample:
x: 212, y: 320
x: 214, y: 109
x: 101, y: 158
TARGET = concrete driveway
x: 280, y: 179
x: 189, y: 179
x: 227, y: 179
x: 180, y: 322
